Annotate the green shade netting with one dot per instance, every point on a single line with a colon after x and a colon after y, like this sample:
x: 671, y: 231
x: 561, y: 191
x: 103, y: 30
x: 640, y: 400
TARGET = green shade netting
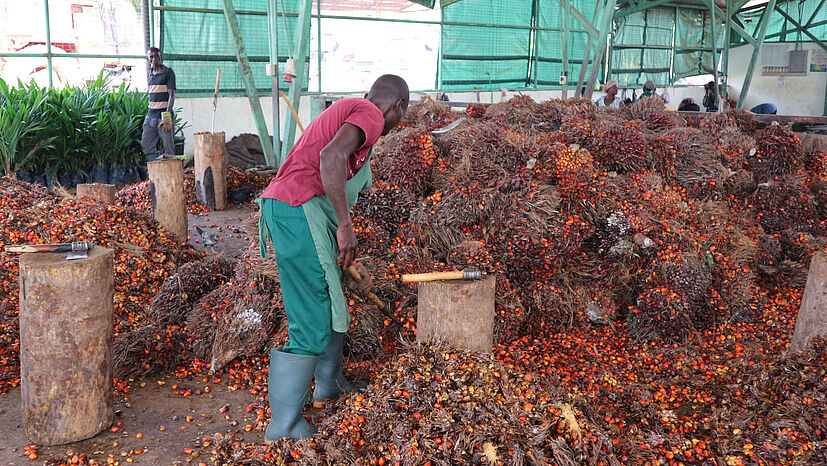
x: 196, y: 45
x: 634, y: 60
x: 780, y: 29
x: 481, y: 55
x: 693, y: 32
x: 511, y: 57
x: 548, y: 57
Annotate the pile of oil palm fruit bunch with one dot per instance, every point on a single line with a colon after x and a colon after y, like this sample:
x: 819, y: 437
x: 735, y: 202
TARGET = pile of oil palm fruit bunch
x: 145, y: 255
x: 138, y: 196
x: 649, y: 272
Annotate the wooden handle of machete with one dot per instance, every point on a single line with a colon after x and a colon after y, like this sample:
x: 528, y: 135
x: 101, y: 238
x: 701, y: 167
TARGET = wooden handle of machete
x: 217, y: 82
x: 354, y: 274
x: 430, y: 277
x: 23, y: 248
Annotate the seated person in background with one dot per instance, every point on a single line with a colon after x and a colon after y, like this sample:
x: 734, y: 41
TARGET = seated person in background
x: 627, y: 102
x: 765, y: 109
x: 689, y: 105
x: 609, y: 100
x: 648, y: 89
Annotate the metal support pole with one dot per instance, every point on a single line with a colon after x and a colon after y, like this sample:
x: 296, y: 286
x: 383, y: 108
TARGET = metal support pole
x: 48, y: 43
x: 587, y: 53
x: 273, y: 23
x: 565, y: 49
x: 319, y: 41
x: 725, y: 56
x: 815, y: 13
x: 145, y: 21
x: 714, y: 52
x: 801, y: 28
x: 151, y: 22
x: 295, y: 92
x: 759, y: 41
x: 249, y: 83
x: 600, y: 51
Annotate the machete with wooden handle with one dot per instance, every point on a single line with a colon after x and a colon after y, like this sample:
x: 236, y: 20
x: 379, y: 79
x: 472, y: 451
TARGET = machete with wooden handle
x: 370, y: 294
x: 76, y: 250
x: 467, y: 274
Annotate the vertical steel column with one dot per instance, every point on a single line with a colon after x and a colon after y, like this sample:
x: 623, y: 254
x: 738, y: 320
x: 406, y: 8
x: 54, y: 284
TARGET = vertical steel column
x: 319, y: 40
x: 714, y: 53
x: 48, y: 42
x: 725, y: 56
x: 295, y: 92
x: 273, y: 27
x: 759, y: 41
x: 439, y: 70
x: 600, y: 51
x: 151, y: 23
x: 145, y: 21
x: 589, y: 44
x: 565, y: 49
x: 249, y: 82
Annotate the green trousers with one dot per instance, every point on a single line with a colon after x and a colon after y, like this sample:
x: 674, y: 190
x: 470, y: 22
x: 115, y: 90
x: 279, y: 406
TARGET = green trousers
x: 303, y: 286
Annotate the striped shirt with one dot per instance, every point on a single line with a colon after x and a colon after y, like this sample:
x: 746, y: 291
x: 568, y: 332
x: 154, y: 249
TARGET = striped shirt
x: 159, y: 83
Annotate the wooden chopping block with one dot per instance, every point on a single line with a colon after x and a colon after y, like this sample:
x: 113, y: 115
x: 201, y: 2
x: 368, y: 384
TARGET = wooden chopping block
x: 66, y: 337
x: 812, y: 316
x: 457, y: 312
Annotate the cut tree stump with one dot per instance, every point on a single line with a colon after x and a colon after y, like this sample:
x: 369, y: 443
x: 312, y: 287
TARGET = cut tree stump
x: 812, y: 316
x: 66, y: 336
x: 104, y: 193
x: 457, y: 312
x: 210, y: 170
x: 169, y: 205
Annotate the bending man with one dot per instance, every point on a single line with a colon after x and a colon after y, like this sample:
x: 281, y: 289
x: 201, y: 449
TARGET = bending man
x: 306, y: 213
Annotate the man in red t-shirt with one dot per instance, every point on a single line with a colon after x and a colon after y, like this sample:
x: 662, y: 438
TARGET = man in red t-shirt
x: 306, y: 213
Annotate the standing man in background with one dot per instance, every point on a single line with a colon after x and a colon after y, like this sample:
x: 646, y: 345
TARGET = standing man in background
x: 160, y: 87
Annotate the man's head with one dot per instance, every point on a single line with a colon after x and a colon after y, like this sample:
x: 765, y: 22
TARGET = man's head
x: 649, y: 86
x: 390, y: 94
x: 154, y: 57
x: 611, y: 88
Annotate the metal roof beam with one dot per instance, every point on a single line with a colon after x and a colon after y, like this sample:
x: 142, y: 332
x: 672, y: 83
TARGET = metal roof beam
x: 640, y: 6
x: 587, y: 25
x: 801, y: 28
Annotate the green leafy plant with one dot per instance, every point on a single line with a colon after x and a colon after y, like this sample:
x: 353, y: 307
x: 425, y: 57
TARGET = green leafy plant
x: 68, y: 130
x: 21, y: 118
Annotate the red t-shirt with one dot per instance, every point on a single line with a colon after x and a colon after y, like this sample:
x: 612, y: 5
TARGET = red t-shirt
x: 299, y: 179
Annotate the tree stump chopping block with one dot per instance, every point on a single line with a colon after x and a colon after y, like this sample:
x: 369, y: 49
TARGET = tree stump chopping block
x: 460, y: 313
x: 210, y: 170
x: 169, y: 205
x: 104, y: 193
x: 812, y: 316
x: 66, y: 336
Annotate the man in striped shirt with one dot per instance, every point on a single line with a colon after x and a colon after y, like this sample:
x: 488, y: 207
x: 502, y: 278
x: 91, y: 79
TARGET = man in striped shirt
x: 161, y: 91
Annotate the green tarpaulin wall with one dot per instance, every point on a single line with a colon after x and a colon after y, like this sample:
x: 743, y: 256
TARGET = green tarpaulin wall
x: 527, y: 54
x: 196, y: 44
x: 781, y: 29
x: 513, y: 43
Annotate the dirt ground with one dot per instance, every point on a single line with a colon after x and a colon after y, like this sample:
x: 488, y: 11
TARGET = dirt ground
x: 156, y: 425
x: 221, y: 230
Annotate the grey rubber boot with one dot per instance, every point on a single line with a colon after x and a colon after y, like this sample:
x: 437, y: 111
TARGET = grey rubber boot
x: 330, y: 381
x: 288, y: 383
